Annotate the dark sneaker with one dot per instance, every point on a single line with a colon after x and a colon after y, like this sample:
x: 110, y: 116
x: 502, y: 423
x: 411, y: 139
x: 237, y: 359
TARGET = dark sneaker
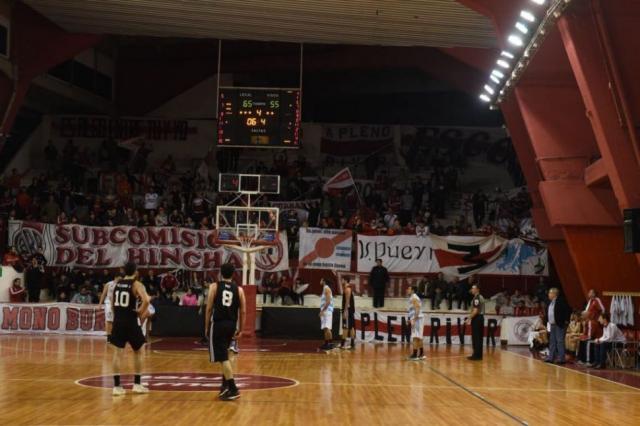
x: 230, y: 395
x: 223, y: 390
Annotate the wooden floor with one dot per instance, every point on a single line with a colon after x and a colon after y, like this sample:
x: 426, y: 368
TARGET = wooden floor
x: 373, y: 385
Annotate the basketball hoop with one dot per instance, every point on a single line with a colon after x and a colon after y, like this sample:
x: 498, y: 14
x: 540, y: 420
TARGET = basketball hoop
x: 245, y: 228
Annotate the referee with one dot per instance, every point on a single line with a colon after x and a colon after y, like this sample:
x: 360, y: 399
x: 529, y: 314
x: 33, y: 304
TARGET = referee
x: 476, y: 319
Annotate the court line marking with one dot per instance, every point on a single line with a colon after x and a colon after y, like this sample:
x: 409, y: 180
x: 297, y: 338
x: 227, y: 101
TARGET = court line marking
x: 583, y: 373
x: 295, y: 383
x: 480, y: 397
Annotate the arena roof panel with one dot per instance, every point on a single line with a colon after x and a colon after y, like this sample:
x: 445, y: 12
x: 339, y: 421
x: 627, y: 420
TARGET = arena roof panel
x: 439, y: 23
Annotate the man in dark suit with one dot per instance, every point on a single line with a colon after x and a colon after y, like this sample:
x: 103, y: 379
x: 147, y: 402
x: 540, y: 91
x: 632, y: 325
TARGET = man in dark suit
x: 558, y: 313
x: 378, y: 280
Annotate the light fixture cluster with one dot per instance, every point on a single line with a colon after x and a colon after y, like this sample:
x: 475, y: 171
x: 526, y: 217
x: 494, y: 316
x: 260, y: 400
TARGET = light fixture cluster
x: 528, y: 33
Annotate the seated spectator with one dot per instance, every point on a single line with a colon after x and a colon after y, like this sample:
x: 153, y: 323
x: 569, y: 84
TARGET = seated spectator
x: 284, y: 290
x: 62, y: 297
x: 517, y: 298
x: 269, y: 287
x: 422, y: 230
x: 449, y: 291
x: 591, y: 330
x: 189, y: 298
x: 574, y: 331
x: 161, y: 218
x: 462, y: 293
x: 423, y: 287
x: 17, y: 293
x: 298, y: 293
x: 538, y: 336
x: 11, y: 258
x: 611, y: 335
x: 83, y: 297
x: 437, y: 293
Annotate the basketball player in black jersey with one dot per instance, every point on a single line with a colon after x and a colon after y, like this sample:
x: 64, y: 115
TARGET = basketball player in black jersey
x: 224, y: 302
x: 348, y: 314
x: 126, y: 325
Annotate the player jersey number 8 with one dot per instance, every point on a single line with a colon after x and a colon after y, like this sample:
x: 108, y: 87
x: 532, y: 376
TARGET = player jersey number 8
x: 227, y: 298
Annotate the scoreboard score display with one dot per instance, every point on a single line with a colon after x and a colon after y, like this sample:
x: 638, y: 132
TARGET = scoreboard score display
x: 259, y: 117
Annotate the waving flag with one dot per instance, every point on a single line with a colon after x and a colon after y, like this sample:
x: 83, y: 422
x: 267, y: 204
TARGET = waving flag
x: 340, y: 180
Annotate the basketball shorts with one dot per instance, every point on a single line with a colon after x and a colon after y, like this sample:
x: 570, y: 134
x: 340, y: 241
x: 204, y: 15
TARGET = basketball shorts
x: 108, y: 312
x: 326, y: 320
x: 349, y: 322
x: 220, y: 335
x: 417, y: 329
x: 125, y: 332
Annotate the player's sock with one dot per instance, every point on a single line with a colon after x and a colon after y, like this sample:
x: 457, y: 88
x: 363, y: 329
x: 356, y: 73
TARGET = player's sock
x: 232, y: 385
x: 414, y: 354
x: 353, y: 342
x: 421, y: 351
x: 108, y: 338
x: 342, y: 342
x: 116, y: 380
x: 136, y: 379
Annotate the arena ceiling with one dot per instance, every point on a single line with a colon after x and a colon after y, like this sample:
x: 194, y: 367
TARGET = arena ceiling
x: 437, y: 23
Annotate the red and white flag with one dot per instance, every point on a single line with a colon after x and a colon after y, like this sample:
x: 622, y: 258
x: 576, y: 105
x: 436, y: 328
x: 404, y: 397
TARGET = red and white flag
x: 340, y: 180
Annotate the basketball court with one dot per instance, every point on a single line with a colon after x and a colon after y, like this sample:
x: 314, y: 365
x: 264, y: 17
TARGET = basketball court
x: 63, y: 380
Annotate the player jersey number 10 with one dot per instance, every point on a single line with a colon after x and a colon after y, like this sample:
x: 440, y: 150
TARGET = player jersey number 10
x: 121, y: 299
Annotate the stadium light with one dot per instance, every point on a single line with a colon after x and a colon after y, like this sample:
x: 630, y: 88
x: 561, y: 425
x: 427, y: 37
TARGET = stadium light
x: 531, y: 28
x: 497, y: 73
x: 516, y: 40
x: 522, y: 27
x: 527, y: 16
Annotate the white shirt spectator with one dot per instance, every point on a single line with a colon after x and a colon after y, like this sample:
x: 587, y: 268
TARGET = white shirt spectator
x: 390, y: 219
x: 151, y: 201
x: 611, y: 333
x: 422, y: 230
x: 162, y: 219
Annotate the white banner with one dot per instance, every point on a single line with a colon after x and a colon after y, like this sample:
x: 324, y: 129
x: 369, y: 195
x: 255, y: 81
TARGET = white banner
x: 389, y: 327
x: 401, y: 253
x: 149, y: 247
x: 58, y: 318
x: 325, y: 249
x: 459, y: 256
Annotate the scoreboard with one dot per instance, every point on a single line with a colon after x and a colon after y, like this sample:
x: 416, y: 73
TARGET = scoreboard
x: 258, y: 117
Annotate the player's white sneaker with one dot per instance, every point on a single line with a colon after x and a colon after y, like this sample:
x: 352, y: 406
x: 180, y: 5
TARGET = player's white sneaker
x: 118, y: 391
x: 140, y: 389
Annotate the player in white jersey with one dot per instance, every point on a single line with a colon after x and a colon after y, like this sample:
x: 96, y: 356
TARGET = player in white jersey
x: 416, y: 322
x: 105, y: 298
x: 145, y: 320
x: 326, y: 314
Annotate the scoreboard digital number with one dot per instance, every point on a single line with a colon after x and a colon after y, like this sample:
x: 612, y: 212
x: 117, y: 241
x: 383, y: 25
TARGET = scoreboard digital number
x: 259, y: 117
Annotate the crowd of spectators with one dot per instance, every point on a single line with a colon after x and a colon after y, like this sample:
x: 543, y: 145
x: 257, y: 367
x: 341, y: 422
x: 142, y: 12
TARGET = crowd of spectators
x: 116, y: 186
